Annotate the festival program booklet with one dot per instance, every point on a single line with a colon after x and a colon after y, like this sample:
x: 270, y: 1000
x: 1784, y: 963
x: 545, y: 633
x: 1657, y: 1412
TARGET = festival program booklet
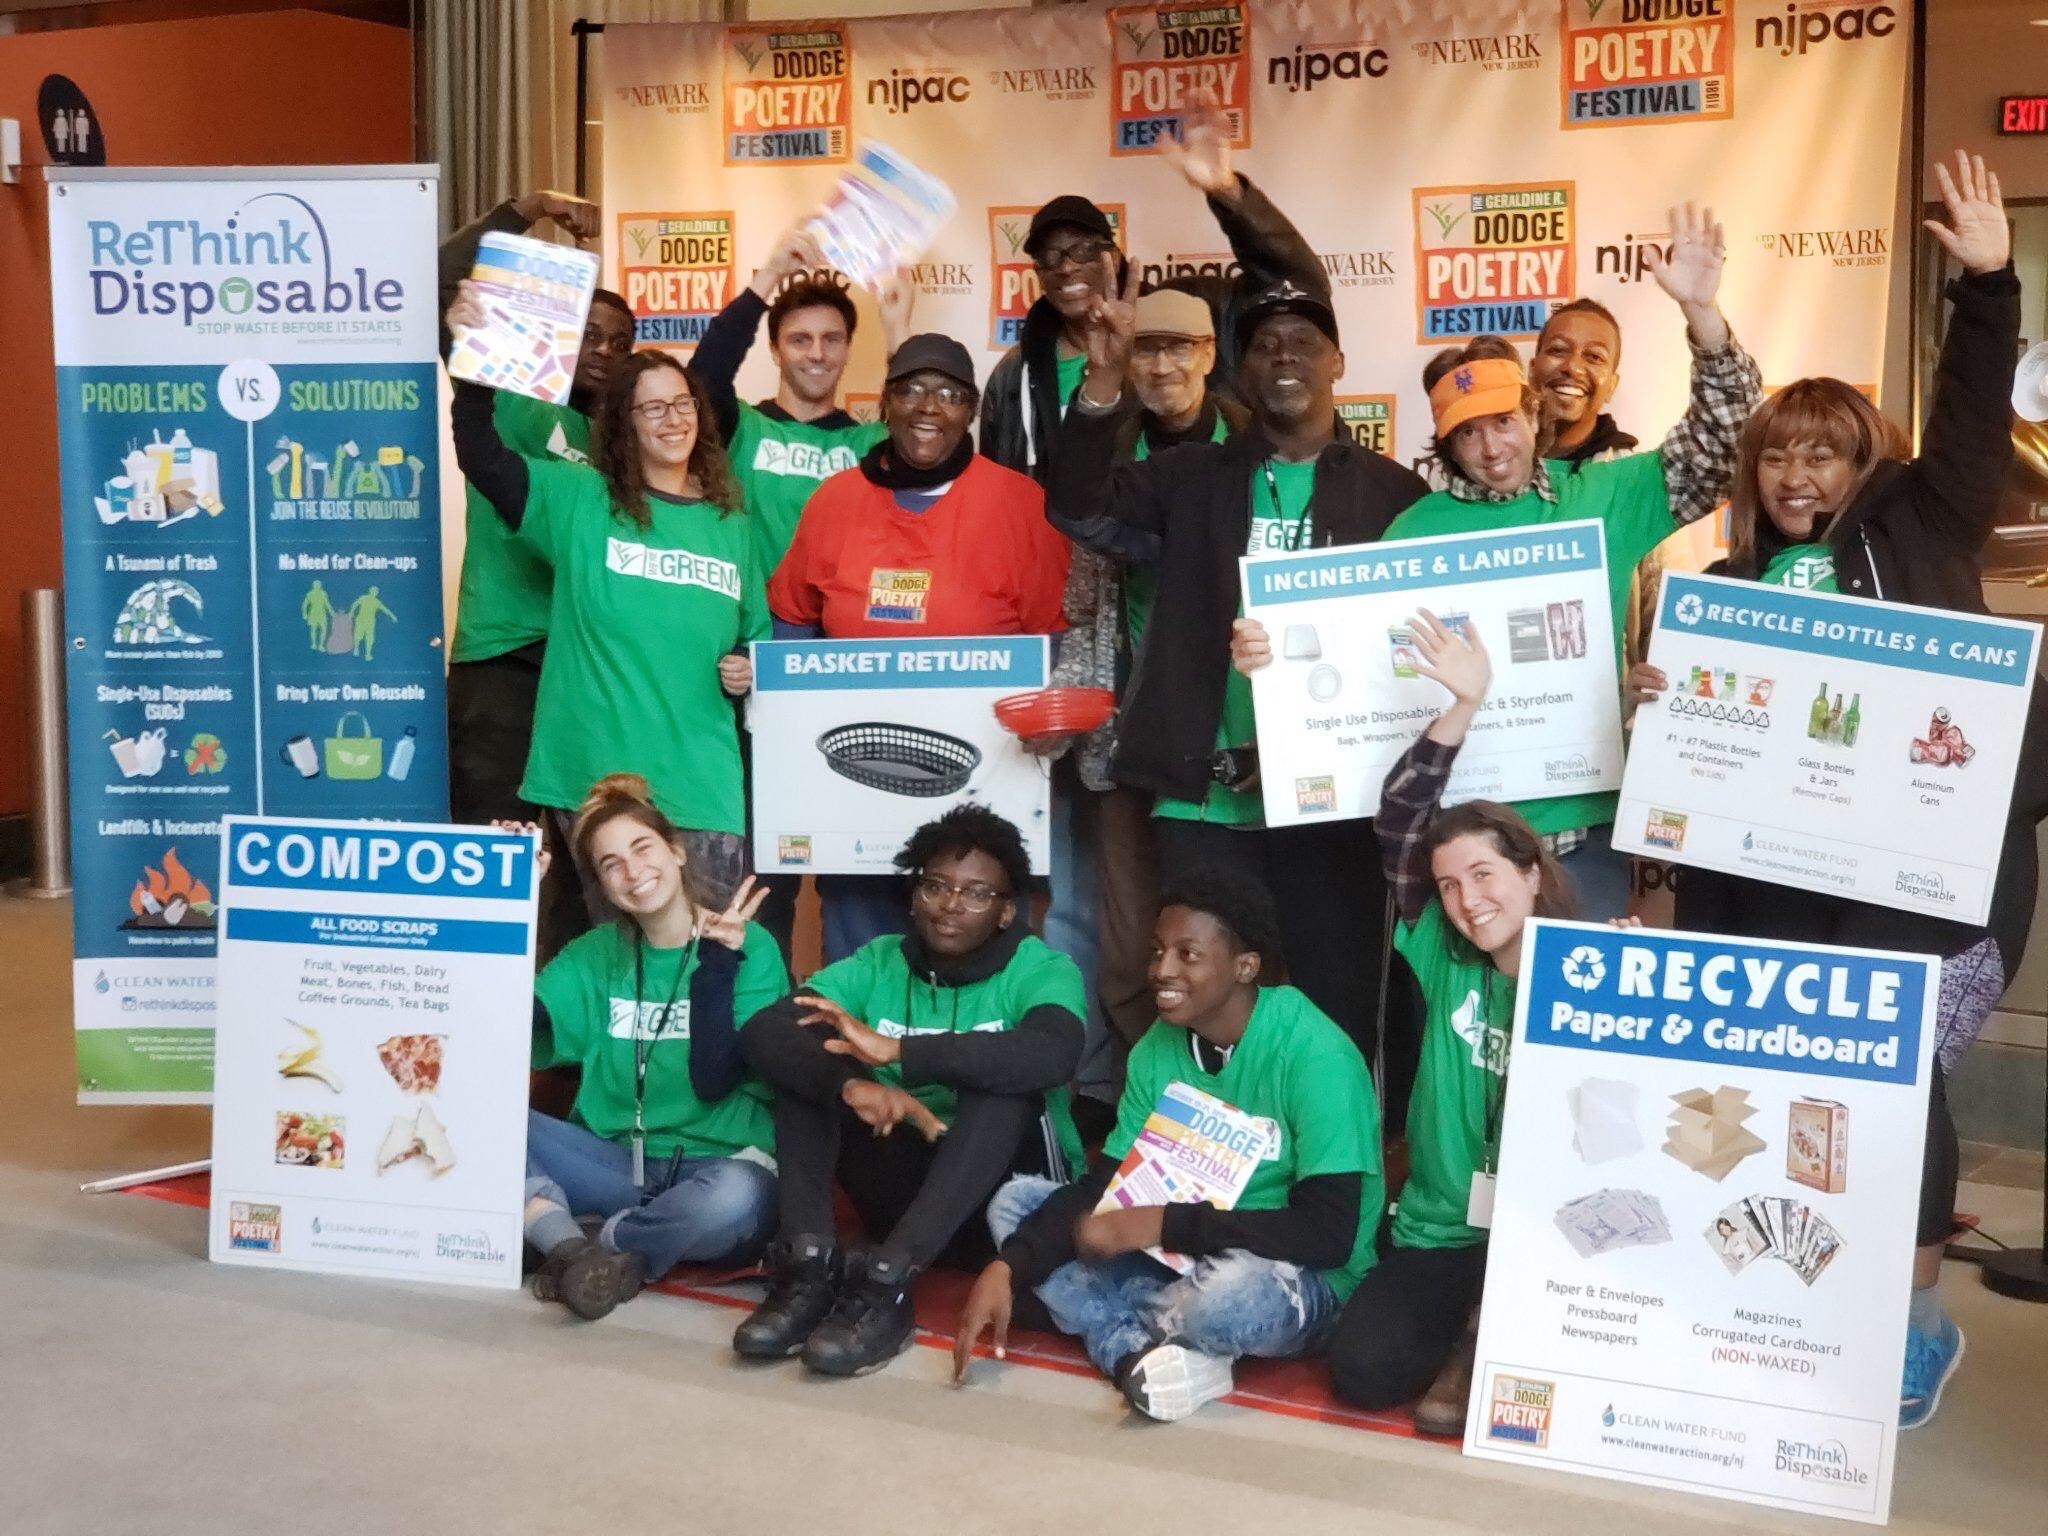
x: 1193, y: 1147
x: 536, y: 296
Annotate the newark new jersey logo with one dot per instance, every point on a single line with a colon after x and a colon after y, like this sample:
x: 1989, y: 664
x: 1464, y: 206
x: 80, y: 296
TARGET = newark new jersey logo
x: 672, y: 98
x: 788, y: 95
x: 1358, y: 269
x: 255, y: 1228
x: 1015, y: 288
x: 1161, y: 55
x: 1636, y: 61
x: 1496, y: 53
x: 1370, y: 421
x: 1869, y: 245
x: 1808, y: 24
x: 1518, y: 1411
x: 677, y: 272
x: 1053, y: 82
x: 1492, y: 259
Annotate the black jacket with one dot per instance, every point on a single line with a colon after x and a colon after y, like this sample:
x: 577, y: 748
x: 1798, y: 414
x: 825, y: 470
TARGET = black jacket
x: 1911, y: 535
x: 1268, y: 249
x: 1606, y: 440
x: 1187, y: 512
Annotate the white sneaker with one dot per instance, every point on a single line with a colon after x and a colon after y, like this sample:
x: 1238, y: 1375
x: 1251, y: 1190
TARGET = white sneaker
x: 1170, y: 1382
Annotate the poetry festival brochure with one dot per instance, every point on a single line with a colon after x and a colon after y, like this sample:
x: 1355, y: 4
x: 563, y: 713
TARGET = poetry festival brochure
x: 536, y: 296
x: 1193, y: 1147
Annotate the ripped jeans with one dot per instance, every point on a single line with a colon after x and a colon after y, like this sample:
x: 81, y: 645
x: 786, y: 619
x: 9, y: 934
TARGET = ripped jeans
x: 1231, y: 1304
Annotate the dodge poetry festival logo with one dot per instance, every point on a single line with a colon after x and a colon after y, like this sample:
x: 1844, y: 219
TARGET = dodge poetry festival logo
x: 1518, y: 1411
x: 1015, y: 288
x: 677, y: 272
x: 1161, y: 55
x: 1370, y: 421
x: 1492, y: 259
x: 788, y: 95
x: 1635, y: 61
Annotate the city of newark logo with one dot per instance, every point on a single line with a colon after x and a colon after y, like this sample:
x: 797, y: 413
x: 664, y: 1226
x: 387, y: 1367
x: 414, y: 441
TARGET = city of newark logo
x: 671, y: 97
x: 1054, y: 82
x: 1868, y: 245
x: 1497, y: 52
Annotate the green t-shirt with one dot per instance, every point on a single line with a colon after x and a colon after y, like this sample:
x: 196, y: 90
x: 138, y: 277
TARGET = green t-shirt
x: 779, y: 464
x: 1275, y: 525
x: 1627, y: 496
x: 1141, y: 582
x: 588, y: 992
x: 641, y: 616
x: 1293, y: 1066
x: 1068, y: 372
x: 1806, y: 567
x: 876, y: 986
x: 502, y: 602
x: 1460, y: 1081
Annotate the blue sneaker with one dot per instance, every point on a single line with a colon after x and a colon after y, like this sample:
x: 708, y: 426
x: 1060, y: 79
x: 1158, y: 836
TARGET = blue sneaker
x: 1931, y: 1359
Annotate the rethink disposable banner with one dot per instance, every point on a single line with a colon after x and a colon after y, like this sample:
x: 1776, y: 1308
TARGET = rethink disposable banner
x: 246, y: 420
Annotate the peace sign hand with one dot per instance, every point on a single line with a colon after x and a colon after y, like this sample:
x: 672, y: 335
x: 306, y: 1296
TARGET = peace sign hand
x: 1111, y: 332
x: 1976, y: 233
x: 730, y: 926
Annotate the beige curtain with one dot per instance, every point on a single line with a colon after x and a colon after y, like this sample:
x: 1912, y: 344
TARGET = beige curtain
x: 498, y: 90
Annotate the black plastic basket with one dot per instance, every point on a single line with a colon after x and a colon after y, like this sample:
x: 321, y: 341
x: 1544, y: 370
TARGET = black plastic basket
x: 900, y: 759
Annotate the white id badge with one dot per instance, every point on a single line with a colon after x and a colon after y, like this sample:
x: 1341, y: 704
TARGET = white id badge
x: 1479, y: 1204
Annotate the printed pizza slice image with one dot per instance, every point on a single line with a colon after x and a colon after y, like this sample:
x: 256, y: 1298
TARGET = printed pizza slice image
x: 414, y: 1061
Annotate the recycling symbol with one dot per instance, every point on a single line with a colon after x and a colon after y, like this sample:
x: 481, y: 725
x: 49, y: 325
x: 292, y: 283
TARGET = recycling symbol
x: 1584, y: 968
x: 1690, y: 608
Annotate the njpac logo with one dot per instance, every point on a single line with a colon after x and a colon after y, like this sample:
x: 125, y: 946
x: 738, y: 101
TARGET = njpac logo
x: 1639, y: 61
x: 1518, y: 1410
x: 901, y: 90
x: 1868, y: 245
x: 255, y: 1228
x: 1173, y: 267
x: 1810, y: 23
x: 1495, y: 53
x: 1162, y: 55
x: 1628, y: 261
x: 1311, y: 64
x: 677, y: 272
x: 1370, y: 421
x: 1015, y: 288
x: 1054, y: 82
x: 788, y: 95
x: 672, y: 98
x: 1492, y: 259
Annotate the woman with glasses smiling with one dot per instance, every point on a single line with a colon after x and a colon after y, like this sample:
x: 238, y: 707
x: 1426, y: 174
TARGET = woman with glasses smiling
x: 924, y: 538
x: 657, y: 586
x: 921, y: 1072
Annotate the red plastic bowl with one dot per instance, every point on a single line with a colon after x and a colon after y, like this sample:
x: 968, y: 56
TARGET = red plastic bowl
x: 1056, y: 711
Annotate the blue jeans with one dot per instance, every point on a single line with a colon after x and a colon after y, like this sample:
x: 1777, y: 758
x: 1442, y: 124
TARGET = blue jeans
x: 1600, y: 875
x: 697, y: 1208
x: 1231, y: 1304
x: 854, y: 909
x: 1073, y: 926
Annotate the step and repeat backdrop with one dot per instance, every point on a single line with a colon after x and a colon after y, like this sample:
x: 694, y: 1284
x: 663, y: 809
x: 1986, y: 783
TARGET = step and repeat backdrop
x: 1459, y: 168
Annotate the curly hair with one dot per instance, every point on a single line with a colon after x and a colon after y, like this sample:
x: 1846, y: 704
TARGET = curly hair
x: 615, y: 450
x: 811, y: 292
x: 1478, y: 348
x: 1243, y: 907
x: 968, y: 829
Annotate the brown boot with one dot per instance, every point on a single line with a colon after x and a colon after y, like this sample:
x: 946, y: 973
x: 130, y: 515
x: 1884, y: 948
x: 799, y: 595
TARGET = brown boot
x: 1442, y: 1408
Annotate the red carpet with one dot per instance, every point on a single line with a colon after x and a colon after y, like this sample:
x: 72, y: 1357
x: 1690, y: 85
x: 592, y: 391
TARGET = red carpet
x: 1296, y: 1388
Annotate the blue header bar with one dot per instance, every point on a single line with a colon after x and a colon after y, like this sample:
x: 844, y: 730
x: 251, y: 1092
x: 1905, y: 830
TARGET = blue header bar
x: 260, y: 925
x: 1401, y: 565
x: 826, y: 666
x: 1851, y: 628
x: 1802, y: 1008
x: 380, y: 859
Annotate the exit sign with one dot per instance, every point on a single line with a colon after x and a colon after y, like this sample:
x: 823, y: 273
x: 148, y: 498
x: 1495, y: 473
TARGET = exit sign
x: 2023, y: 114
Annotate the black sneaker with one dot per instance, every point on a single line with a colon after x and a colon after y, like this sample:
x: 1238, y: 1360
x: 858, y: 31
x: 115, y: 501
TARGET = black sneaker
x: 800, y: 1294
x: 871, y: 1324
x: 590, y: 1279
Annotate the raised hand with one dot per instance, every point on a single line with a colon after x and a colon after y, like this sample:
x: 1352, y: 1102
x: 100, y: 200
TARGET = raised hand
x: 894, y: 301
x: 796, y: 251
x: 1456, y: 660
x: 882, y: 1107
x: 869, y: 1047
x: 1202, y: 152
x: 579, y: 216
x: 987, y: 1310
x: 1976, y: 233
x: 730, y: 926
x: 541, y: 857
x: 1691, y: 274
x: 1111, y: 329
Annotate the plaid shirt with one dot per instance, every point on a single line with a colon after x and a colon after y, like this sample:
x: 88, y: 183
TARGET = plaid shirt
x: 1408, y: 807
x: 1699, y: 455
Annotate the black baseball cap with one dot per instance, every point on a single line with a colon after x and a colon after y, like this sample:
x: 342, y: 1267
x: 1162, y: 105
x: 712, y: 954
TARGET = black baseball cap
x: 1070, y: 209
x: 928, y: 349
x: 1286, y: 298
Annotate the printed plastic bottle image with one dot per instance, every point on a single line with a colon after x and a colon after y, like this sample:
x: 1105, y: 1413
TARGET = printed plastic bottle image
x: 1852, y: 722
x: 1817, y: 717
x: 401, y: 755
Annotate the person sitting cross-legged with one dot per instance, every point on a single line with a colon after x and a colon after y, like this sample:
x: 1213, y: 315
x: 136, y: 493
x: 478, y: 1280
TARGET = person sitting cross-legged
x: 1270, y: 1276
x: 964, y: 1031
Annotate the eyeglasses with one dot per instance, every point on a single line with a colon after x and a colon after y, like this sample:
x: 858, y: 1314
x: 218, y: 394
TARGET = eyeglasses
x: 1176, y: 350
x: 1078, y: 253
x: 683, y: 406
x: 954, y: 395
x: 975, y: 898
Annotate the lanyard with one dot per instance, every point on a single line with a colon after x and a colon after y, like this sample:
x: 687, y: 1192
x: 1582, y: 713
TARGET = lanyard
x: 643, y: 1050
x: 1301, y: 529
x: 1496, y: 1083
